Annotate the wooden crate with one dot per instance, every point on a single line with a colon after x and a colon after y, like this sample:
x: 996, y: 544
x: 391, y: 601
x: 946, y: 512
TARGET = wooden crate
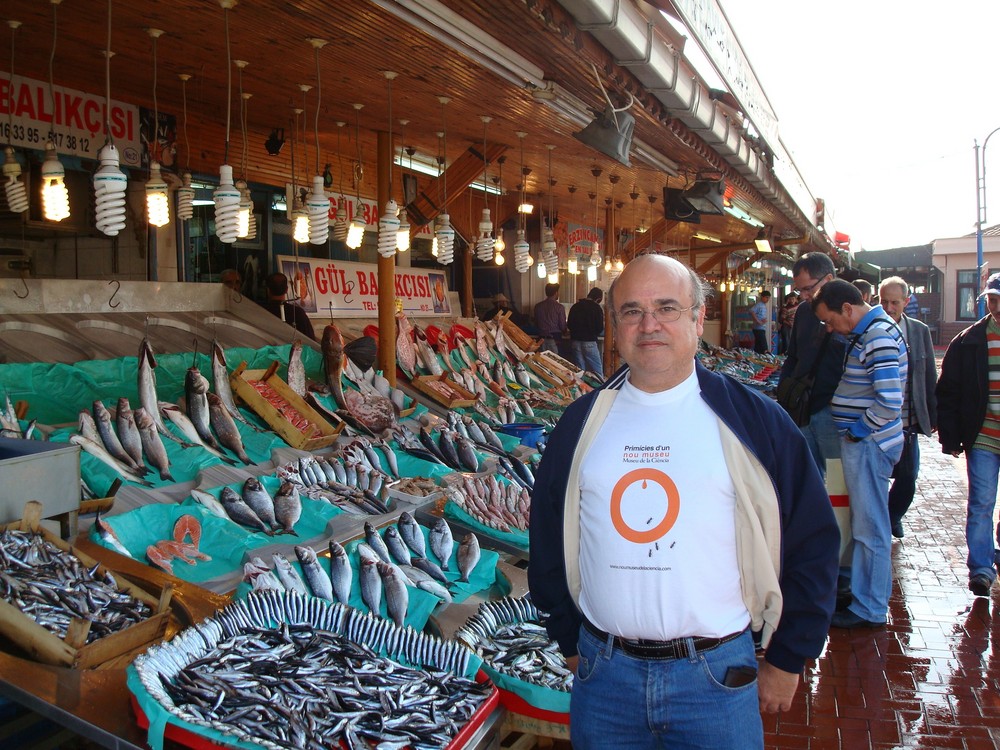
x: 521, y: 340
x: 464, y: 397
x: 73, y: 651
x: 549, y: 369
x: 320, y: 432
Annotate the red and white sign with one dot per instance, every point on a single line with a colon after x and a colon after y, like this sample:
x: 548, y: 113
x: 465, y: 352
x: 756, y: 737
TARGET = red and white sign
x: 350, y: 290
x: 73, y: 120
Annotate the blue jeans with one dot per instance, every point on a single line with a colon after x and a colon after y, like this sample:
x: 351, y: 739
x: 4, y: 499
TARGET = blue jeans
x: 866, y: 473
x: 549, y: 345
x: 622, y: 701
x: 904, y: 485
x: 822, y: 437
x: 587, y: 356
x: 983, y: 467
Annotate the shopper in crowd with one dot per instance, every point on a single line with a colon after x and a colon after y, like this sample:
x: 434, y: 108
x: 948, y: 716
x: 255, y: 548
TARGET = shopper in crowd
x: 866, y: 408
x: 277, y: 289
x: 676, y: 516
x: 586, y: 324
x: 500, y: 304
x: 865, y: 288
x: 760, y: 315
x: 786, y: 318
x: 231, y: 278
x: 969, y: 422
x: 550, y: 319
x: 913, y: 306
x: 919, y: 402
x: 813, y: 349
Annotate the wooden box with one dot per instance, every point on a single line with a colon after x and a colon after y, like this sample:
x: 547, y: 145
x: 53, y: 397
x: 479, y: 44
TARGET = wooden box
x: 318, y: 434
x: 523, y: 341
x: 73, y: 651
x: 461, y: 397
x: 550, y: 368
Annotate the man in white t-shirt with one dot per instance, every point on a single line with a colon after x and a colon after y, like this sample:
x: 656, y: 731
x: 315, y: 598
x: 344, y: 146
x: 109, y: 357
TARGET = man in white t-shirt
x: 678, y: 520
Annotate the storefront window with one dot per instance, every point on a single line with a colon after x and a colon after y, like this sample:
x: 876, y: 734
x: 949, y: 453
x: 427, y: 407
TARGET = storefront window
x: 966, y: 295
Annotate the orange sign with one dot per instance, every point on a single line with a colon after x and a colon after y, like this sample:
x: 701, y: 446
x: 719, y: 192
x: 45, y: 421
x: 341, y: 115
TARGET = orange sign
x: 670, y: 517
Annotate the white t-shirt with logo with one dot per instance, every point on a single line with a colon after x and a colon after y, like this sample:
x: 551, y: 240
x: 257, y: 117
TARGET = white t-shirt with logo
x: 657, y: 517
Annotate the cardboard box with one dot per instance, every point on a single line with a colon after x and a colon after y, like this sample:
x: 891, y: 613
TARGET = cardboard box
x: 73, y: 651
x: 318, y: 434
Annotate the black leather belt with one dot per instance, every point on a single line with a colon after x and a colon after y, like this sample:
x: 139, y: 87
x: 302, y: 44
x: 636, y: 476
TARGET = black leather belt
x: 674, y: 649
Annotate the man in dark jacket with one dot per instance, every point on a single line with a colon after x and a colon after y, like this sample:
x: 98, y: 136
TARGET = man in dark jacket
x: 677, y: 518
x: 295, y: 316
x: 813, y: 348
x: 586, y: 323
x: 969, y: 422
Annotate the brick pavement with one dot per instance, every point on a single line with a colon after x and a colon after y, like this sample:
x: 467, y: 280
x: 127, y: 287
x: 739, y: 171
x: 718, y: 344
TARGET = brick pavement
x: 931, y: 677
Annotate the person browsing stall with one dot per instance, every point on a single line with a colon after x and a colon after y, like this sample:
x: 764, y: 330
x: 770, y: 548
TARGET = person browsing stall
x: 919, y: 413
x: 759, y: 314
x: 866, y: 408
x: 677, y: 516
x: 277, y: 289
x: 550, y: 319
x: 969, y: 423
x: 586, y: 323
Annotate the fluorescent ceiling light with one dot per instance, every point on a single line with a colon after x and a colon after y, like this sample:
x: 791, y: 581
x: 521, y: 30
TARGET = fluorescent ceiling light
x: 706, y: 236
x: 743, y: 216
x: 424, y: 166
x: 197, y: 202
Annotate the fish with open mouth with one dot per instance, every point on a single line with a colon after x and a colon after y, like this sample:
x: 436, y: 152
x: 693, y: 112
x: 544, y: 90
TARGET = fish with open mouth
x: 332, y: 346
x: 222, y: 388
x: 287, y: 507
x: 152, y: 446
x: 225, y: 427
x: 147, y: 390
x: 196, y: 399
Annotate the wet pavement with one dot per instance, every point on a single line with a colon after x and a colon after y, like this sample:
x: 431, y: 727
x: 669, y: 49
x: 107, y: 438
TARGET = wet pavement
x: 930, y: 678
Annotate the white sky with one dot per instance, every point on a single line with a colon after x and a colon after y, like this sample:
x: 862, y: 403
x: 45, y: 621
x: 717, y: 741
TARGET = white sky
x: 879, y: 102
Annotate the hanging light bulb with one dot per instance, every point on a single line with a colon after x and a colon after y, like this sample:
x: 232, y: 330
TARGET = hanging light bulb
x: 540, y: 269
x: 300, y: 222
x: 731, y: 285
x: 340, y: 224
x: 318, y: 210
x: 17, y: 195
x: 246, y: 209
x: 595, y: 254
x: 722, y: 284
x: 110, y: 184
x: 619, y: 265
x: 434, y: 246
x: 485, y: 242
x: 403, y: 233
x: 185, y: 193
x: 553, y: 278
x: 572, y: 266
x: 498, y: 258
x: 185, y: 198
x: 499, y: 245
x: 607, y: 266
x: 592, y: 273
x: 55, y: 196
x: 522, y: 256
x: 227, y: 206
x: 388, y: 226
x: 444, y: 233
x: 356, y: 231
x: 157, y: 203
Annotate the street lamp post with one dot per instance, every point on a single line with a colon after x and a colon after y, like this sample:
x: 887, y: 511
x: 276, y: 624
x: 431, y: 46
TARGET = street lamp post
x: 980, y: 211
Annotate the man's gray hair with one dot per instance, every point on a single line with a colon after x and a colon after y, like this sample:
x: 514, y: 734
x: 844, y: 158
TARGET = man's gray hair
x: 895, y: 281
x: 700, y: 289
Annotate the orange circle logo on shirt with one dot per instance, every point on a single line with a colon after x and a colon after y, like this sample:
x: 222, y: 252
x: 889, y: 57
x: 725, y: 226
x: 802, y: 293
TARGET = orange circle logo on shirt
x: 673, y: 505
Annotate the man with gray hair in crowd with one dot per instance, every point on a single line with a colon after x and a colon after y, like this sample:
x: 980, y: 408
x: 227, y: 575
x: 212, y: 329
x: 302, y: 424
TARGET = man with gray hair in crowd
x: 919, y: 401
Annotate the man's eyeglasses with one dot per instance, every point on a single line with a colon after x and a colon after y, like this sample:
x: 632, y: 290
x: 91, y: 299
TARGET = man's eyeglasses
x: 808, y: 289
x: 665, y: 314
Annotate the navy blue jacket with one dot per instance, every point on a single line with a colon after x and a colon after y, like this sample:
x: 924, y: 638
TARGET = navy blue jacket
x: 809, y: 536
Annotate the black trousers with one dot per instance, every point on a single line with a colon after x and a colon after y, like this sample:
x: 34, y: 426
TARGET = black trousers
x: 759, y: 341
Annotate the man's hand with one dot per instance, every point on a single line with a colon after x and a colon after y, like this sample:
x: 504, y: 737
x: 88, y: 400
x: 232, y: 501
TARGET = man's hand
x: 775, y: 688
x: 571, y: 662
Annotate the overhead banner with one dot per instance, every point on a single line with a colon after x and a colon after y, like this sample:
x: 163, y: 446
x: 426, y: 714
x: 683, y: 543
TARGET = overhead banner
x: 350, y: 290
x: 73, y: 120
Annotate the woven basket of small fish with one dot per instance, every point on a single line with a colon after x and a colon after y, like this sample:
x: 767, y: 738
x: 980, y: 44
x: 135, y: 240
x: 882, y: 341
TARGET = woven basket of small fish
x: 62, y: 607
x: 519, y: 657
x: 279, y: 670
x: 401, y: 572
x: 492, y: 506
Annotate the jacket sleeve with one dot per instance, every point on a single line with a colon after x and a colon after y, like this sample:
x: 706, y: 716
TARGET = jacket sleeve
x: 949, y: 396
x: 929, y: 375
x: 547, y: 569
x: 810, y: 547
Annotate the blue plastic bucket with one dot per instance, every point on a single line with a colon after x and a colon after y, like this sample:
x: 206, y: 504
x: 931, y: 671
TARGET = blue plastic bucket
x: 526, y: 432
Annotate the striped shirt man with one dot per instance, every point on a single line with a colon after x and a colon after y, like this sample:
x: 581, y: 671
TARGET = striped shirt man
x: 989, y: 434
x: 869, y: 398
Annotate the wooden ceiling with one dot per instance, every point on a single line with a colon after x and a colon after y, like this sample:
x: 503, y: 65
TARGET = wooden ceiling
x: 364, y: 40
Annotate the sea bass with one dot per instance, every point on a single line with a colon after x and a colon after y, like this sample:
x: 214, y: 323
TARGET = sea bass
x: 287, y: 507
x: 147, y: 390
x: 341, y: 573
x: 225, y: 427
x: 152, y: 446
x: 313, y: 572
x: 196, y: 398
x: 128, y: 433
x: 259, y: 501
x: 222, y: 389
x: 102, y: 420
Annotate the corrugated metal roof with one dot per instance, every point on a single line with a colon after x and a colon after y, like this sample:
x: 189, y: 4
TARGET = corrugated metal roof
x: 897, y: 257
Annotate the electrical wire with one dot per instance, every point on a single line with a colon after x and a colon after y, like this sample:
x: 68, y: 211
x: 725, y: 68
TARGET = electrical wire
x: 108, y: 138
x: 52, y: 59
x: 229, y: 87
x: 155, y: 141
x: 187, y: 145
x: 319, y: 98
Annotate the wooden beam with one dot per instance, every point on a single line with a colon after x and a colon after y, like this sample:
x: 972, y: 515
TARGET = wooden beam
x: 464, y: 170
x: 386, y: 271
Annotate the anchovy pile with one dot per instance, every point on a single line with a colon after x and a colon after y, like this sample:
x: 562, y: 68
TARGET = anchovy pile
x: 357, y: 484
x: 286, y: 671
x: 501, y: 506
x: 509, y: 636
x: 53, y: 587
